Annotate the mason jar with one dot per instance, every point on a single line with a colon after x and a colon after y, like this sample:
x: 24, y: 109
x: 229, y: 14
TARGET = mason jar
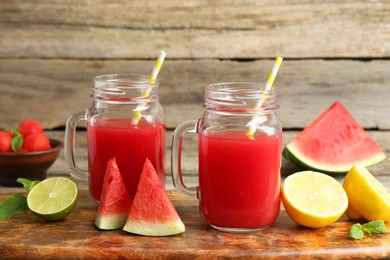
x: 239, y: 152
x: 125, y: 121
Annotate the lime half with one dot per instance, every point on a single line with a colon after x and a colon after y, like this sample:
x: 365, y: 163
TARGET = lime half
x: 53, y: 199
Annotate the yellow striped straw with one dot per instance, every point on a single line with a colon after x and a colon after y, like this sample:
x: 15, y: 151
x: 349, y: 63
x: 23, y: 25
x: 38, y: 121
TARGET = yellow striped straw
x: 268, y: 86
x: 152, y: 77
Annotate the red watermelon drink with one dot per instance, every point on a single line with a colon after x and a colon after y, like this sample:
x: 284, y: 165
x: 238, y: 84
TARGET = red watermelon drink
x: 239, y: 179
x: 240, y: 150
x: 131, y: 145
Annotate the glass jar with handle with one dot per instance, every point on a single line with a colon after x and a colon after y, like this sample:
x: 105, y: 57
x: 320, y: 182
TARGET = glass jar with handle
x: 122, y: 122
x: 239, y: 149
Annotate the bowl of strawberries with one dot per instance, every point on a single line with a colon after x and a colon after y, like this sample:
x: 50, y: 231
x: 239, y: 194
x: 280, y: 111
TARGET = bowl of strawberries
x: 26, y: 152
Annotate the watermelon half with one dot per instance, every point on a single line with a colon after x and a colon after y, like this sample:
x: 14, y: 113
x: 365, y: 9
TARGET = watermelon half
x: 333, y: 142
x: 152, y: 212
x: 115, y: 202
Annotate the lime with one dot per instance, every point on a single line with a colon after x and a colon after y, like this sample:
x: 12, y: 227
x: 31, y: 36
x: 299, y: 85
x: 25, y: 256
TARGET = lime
x: 53, y: 199
x: 313, y: 199
x: 367, y: 196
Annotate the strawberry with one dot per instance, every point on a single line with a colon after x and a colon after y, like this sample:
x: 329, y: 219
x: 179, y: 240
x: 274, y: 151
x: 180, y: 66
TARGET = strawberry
x: 30, y: 126
x: 36, y: 142
x: 5, y: 141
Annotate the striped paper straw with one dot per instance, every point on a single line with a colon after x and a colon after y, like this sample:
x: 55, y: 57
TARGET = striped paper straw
x: 274, y: 71
x: 152, y: 77
x: 157, y: 66
x: 271, y: 78
x: 252, y: 125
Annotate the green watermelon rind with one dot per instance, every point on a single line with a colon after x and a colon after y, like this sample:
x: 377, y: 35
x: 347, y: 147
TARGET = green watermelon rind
x: 155, y: 229
x: 111, y: 222
x: 292, y: 154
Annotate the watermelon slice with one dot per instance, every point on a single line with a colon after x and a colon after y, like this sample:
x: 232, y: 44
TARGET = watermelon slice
x: 152, y: 212
x: 115, y: 202
x: 333, y: 143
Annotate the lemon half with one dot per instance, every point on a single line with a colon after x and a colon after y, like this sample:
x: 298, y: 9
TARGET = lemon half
x: 367, y: 196
x: 313, y: 199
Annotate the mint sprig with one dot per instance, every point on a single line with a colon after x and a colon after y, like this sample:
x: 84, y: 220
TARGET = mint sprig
x: 12, y: 205
x: 374, y: 227
x: 27, y: 184
x: 17, y: 202
x: 356, y: 231
x: 17, y: 140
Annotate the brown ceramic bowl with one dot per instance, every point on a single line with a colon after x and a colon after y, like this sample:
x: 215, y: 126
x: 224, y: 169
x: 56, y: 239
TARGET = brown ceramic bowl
x: 29, y: 165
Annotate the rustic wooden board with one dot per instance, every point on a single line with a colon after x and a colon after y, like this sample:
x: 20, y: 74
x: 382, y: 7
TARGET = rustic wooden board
x: 173, y: 14
x: 27, y: 236
x: 344, y: 47
x: 51, y: 90
x: 196, y: 29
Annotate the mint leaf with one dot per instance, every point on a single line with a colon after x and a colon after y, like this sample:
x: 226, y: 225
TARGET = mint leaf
x: 17, y: 142
x: 12, y: 205
x: 18, y: 202
x: 27, y: 184
x: 356, y: 231
x: 375, y: 227
x: 15, y: 132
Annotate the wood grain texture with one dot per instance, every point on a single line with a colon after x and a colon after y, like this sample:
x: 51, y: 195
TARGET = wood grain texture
x: 51, y: 90
x: 205, y: 14
x: 196, y: 29
x: 77, y: 237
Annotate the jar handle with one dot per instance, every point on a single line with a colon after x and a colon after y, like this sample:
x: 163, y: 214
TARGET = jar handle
x: 177, y: 177
x: 70, y: 134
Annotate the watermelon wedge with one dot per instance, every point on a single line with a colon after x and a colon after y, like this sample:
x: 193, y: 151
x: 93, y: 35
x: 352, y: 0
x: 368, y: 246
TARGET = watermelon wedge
x: 152, y: 212
x: 333, y: 143
x: 115, y: 202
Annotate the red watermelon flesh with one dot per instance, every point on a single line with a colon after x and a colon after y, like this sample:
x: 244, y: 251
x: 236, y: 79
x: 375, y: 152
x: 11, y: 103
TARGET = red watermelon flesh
x: 333, y: 142
x: 115, y: 202
x: 152, y: 212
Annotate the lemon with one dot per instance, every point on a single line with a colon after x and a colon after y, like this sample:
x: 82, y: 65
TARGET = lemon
x: 351, y: 213
x: 53, y: 199
x: 367, y: 196
x: 313, y: 199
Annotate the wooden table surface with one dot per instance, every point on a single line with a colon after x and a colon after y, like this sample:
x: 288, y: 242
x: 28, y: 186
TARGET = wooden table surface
x: 26, y: 236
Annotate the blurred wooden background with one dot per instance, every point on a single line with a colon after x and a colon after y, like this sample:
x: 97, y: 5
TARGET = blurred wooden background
x: 333, y: 50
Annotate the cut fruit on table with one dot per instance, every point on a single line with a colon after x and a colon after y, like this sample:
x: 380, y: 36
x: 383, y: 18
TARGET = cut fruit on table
x: 367, y: 196
x: 333, y: 142
x: 115, y: 202
x: 313, y: 199
x: 152, y: 212
x: 53, y: 199
x: 351, y: 213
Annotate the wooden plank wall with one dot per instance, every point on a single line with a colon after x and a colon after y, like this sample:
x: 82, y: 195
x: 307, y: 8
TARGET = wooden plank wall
x: 333, y: 50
